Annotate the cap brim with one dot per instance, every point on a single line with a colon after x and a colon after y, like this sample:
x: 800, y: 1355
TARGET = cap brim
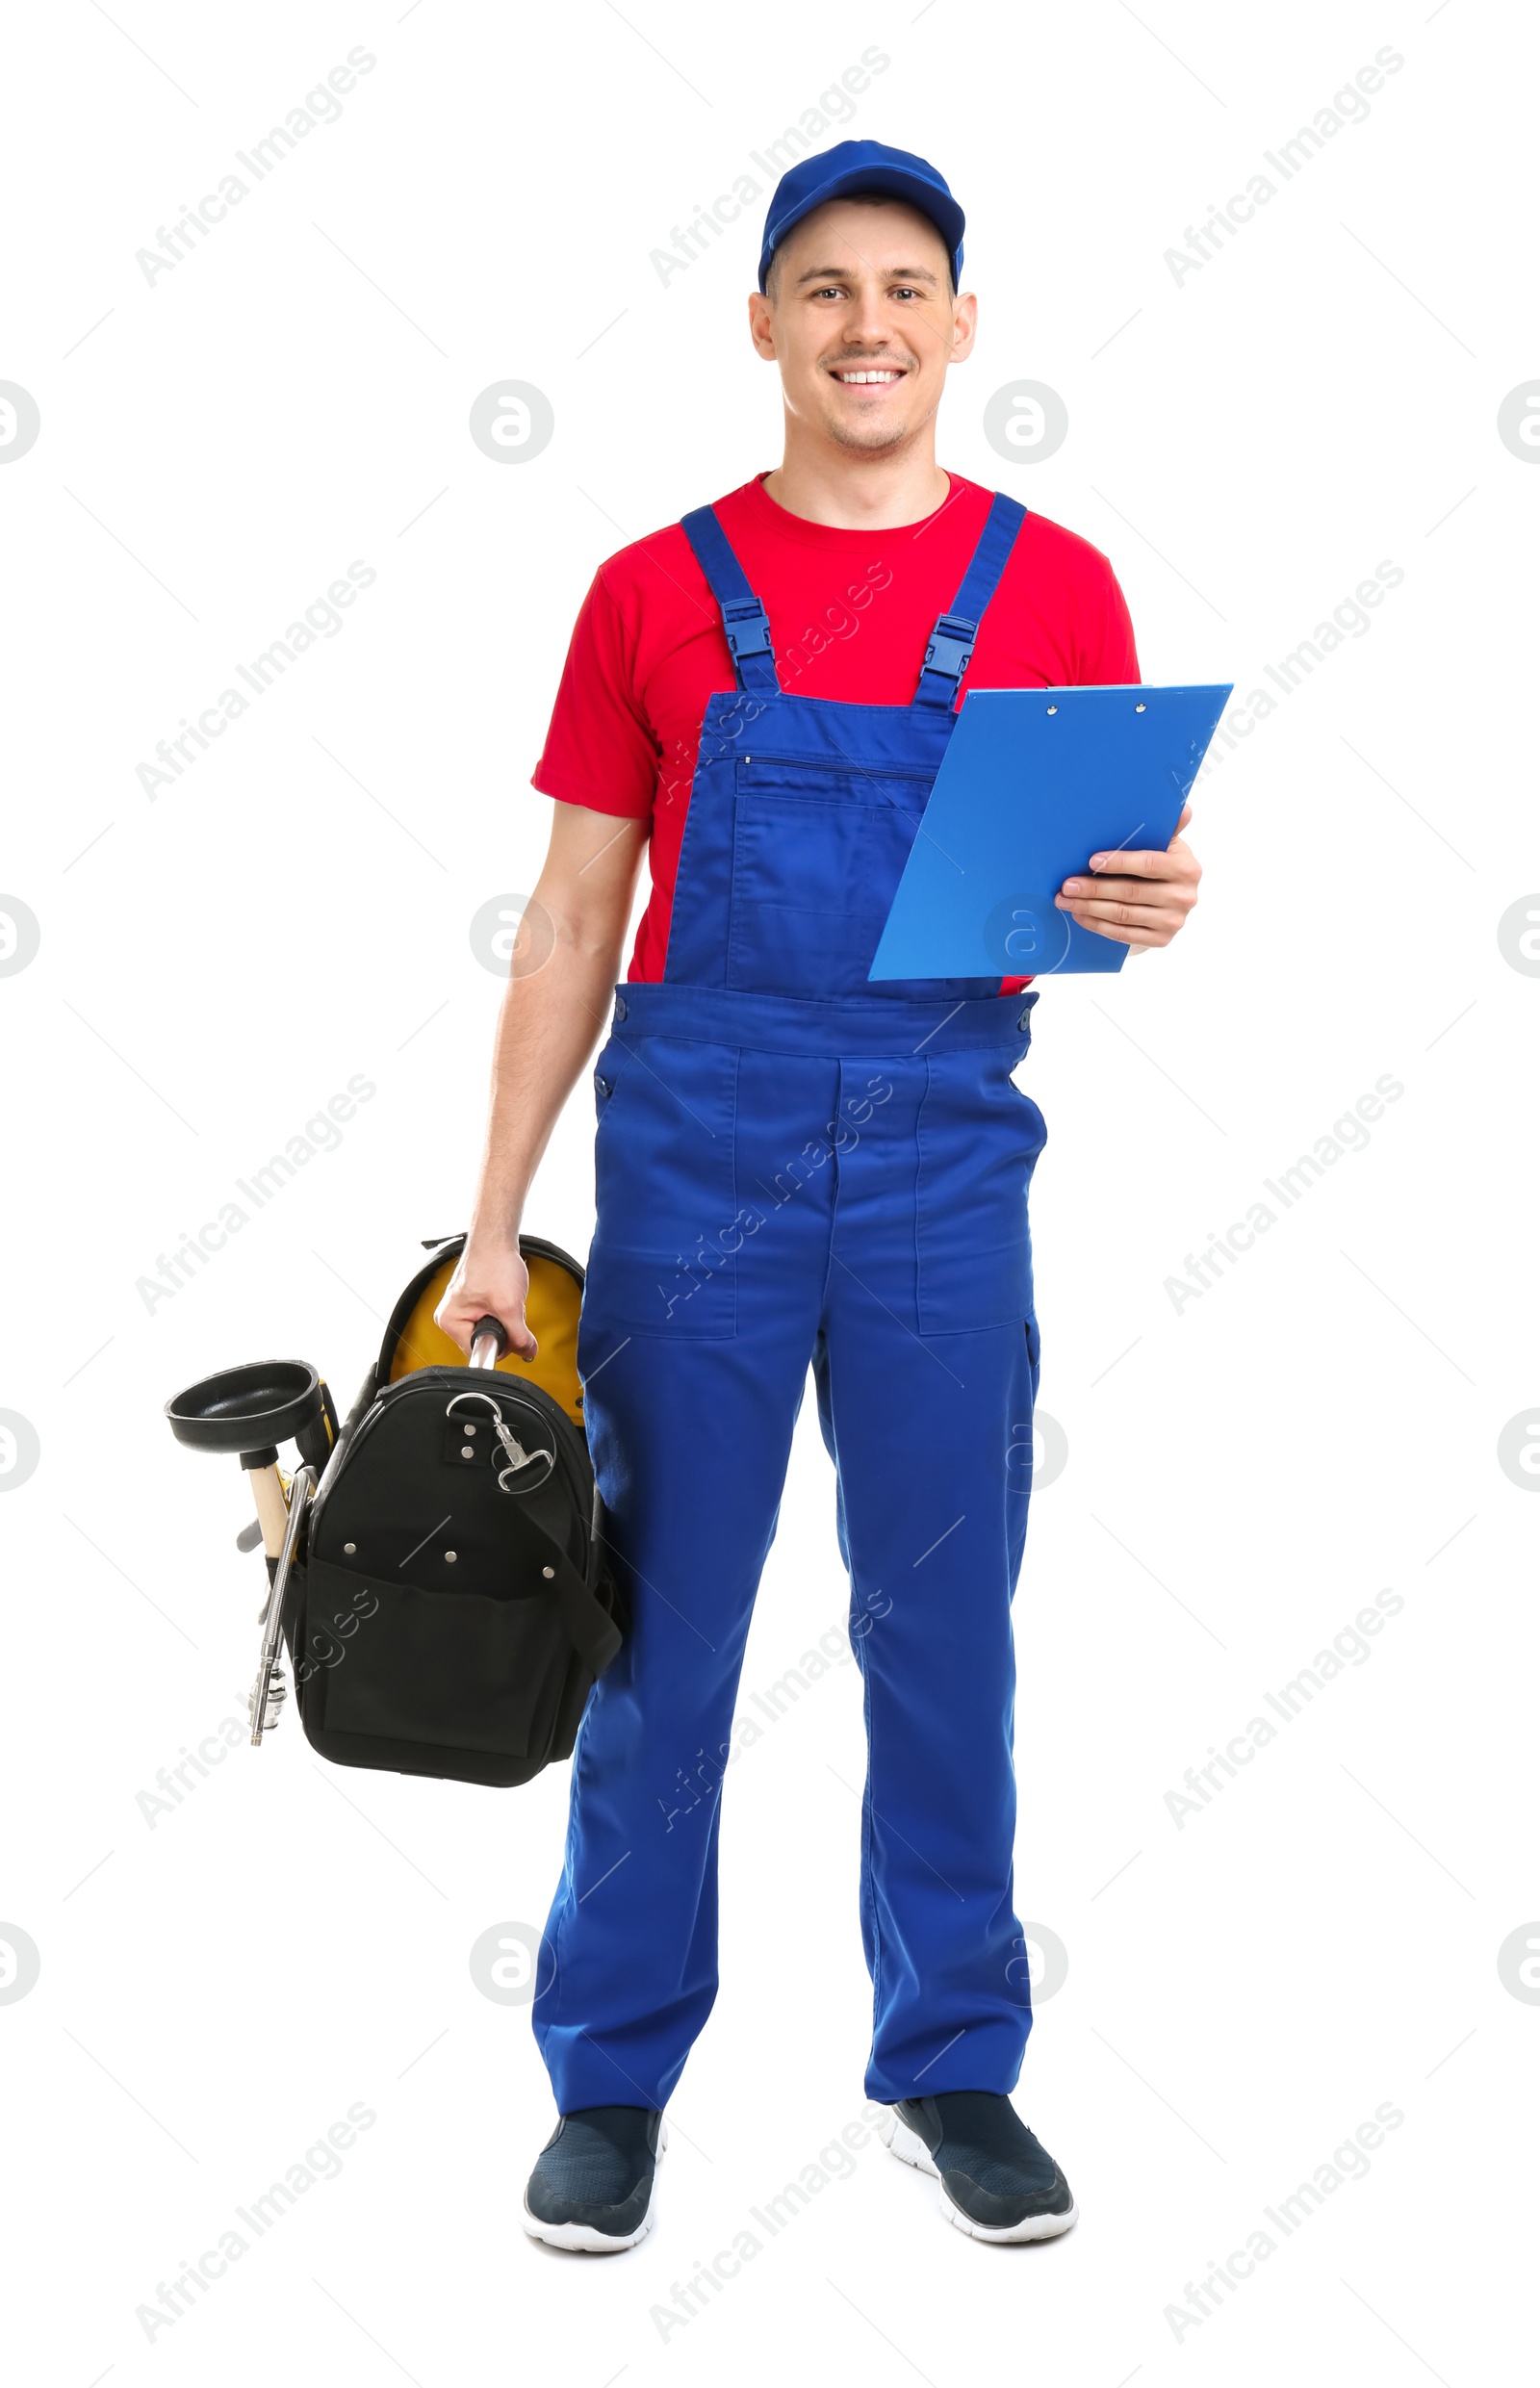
x: 937, y: 206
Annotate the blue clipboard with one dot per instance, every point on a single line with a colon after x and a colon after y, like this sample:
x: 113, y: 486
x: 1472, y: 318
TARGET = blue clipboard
x: 1034, y: 783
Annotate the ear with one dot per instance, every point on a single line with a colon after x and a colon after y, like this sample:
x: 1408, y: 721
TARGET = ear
x: 965, y: 327
x: 761, y: 315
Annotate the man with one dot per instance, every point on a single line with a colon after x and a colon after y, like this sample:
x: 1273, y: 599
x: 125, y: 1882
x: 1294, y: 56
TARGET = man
x: 797, y: 1166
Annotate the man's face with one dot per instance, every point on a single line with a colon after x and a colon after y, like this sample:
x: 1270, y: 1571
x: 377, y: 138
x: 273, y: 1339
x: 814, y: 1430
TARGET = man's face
x: 862, y: 323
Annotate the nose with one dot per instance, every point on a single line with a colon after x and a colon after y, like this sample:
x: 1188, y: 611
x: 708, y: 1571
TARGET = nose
x: 865, y: 326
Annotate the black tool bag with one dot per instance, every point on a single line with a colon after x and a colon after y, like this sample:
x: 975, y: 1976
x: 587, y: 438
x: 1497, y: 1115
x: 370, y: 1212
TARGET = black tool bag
x: 451, y: 1608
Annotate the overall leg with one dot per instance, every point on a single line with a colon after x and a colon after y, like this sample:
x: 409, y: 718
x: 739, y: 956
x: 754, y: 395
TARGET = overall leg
x: 691, y: 1433
x: 931, y: 1435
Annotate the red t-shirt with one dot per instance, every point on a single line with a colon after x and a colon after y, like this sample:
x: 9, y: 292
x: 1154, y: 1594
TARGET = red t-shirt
x: 851, y: 612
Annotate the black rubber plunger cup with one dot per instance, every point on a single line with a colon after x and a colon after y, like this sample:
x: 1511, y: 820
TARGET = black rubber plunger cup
x: 251, y: 1410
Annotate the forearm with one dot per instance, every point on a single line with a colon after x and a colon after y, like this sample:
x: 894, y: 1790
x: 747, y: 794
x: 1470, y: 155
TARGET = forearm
x: 549, y: 1025
x: 552, y: 1013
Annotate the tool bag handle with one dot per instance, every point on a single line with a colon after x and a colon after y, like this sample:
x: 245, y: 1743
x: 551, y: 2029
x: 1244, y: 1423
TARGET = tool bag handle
x: 489, y: 1340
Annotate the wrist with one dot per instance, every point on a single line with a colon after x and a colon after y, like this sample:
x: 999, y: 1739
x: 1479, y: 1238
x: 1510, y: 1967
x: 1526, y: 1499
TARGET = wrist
x: 497, y: 1233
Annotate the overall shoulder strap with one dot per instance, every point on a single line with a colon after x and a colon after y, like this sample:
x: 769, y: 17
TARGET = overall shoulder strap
x: 952, y: 641
x: 743, y: 618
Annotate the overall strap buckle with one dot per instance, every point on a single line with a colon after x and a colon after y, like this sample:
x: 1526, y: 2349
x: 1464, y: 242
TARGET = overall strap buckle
x: 748, y: 627
x: 946, y: 660
x: 951, y: 645
x: 743, y: 618
x: 952, y: 641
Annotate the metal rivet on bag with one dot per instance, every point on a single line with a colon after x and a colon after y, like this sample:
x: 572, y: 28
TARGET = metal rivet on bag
x: 1138, y: 708
x: 467, y: 1430
x: 466, y: 1451
x: 548, y: 1571
x: 452, y: 1556
x: 350, y: 1548
x: 1053, y: 709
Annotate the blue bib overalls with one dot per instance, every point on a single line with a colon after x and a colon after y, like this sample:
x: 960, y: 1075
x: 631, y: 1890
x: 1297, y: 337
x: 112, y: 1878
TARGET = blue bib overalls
x: 793, y: 1166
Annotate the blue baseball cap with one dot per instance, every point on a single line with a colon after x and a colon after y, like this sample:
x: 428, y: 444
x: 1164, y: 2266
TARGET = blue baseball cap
x: 863, y: 165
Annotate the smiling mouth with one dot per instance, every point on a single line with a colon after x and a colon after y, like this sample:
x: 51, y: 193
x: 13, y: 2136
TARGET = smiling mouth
x: 869, y: 376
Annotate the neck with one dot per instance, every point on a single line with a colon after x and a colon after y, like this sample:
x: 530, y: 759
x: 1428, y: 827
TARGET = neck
x: 848, y: 490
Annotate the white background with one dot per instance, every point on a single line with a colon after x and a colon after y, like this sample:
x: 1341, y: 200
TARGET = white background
x: 1244, y: 1474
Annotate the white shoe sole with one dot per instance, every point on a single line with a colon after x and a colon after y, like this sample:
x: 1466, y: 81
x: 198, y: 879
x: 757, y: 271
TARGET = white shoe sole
x: 580, y: 2238
x: 910, y: 2149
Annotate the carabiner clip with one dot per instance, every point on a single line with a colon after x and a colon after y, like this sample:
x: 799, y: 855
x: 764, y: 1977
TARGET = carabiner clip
x: 518, y: 1460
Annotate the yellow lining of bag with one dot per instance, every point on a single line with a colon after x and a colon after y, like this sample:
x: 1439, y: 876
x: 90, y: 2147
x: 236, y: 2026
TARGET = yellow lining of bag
x: 552, y: 1311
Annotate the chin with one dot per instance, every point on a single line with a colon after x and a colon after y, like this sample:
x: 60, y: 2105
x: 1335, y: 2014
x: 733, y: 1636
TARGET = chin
x: 871, y: 439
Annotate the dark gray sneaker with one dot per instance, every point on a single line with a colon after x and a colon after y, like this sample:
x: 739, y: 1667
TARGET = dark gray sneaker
x: 592, y: 2185
x: 997, y: 2181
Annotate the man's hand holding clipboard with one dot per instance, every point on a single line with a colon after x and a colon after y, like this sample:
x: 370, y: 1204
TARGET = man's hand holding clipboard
x: 1050, y: 843
x: 1138, y: 899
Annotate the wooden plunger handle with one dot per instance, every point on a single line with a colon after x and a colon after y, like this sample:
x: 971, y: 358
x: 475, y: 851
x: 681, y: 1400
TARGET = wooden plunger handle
x: 272, y: 1508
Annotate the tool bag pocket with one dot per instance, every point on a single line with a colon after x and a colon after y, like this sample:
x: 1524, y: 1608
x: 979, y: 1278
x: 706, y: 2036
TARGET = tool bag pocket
x: 453, y: 1609
x: 458, y: 1669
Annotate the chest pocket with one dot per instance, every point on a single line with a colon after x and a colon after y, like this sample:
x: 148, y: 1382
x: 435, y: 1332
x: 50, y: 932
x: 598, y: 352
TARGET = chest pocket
x: 817, y: 855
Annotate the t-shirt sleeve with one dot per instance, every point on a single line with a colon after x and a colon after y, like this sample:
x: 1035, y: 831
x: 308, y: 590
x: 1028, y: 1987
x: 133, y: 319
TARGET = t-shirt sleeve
x: 599, y: 748
x: 1107, y: 656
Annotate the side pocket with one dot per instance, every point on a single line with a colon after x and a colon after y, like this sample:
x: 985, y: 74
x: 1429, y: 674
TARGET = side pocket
x: 979, y: 1142
x: 662, y: 1258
